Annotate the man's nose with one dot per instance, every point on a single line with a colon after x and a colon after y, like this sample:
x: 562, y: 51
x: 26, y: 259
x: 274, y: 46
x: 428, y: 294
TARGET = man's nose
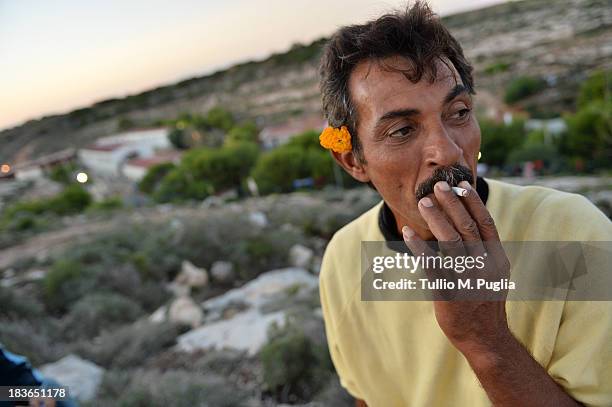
x: 441, y: 149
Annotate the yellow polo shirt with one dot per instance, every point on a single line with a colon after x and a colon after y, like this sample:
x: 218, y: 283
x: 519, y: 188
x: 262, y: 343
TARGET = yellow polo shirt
x: 393, y: 353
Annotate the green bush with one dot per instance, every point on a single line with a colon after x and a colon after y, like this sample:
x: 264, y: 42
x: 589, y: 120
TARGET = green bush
x: 532, y: 152
x: 179, y: 388
x: 179, y: 184
x: 129, y: 345
x: 497, y: 67
x: 108, y: 204
x: 522, y: 87
x: 34, y: 339
x: 498, y: 140
x: 154, y: 175
x: 16, y: 306
x: 72, y: 199
x: 65, y: 283
x: 220, y: 118
x: 589, y: 134
x: 132, y: 261
x: 294, y: 367
x: 595, y: 88
x: 177, y: 139
x: 63, y: 173
x: 244, y: 133
x: 100, y: 311
x: 224, y: 167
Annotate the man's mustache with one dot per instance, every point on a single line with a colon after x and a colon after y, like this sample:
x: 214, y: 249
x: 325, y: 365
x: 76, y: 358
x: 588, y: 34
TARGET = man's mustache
x: 452, y: 174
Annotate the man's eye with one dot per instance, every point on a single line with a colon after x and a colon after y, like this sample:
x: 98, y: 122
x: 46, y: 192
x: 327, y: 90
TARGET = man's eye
x: 462, y: 114
x: 403, y: 132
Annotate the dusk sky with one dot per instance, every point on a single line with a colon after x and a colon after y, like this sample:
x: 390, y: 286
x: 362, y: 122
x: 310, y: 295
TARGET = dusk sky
x: 59, y: 55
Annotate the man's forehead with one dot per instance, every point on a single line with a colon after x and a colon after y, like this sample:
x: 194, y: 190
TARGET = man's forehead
x: 381, y: 85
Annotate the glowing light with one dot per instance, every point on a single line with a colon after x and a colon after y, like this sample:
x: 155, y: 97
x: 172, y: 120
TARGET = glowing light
x: 479, y: 155
x: 5, y: 168
x: 82, y: 177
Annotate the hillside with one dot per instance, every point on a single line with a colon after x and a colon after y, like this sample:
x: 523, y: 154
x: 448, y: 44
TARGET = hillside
x: 562, y: 41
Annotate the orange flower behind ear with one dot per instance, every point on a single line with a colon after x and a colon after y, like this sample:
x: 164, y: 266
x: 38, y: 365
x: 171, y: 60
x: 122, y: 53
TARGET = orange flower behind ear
x: 338, y: 140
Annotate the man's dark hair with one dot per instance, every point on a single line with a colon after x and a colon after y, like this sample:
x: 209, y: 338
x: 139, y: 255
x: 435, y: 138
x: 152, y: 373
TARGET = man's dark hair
x: 416, y: 34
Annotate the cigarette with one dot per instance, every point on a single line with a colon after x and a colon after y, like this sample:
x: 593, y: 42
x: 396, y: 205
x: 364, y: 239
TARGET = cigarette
x: 460, y: 191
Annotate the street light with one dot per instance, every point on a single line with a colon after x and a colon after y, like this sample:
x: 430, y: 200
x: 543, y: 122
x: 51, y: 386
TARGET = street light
x: 81, y: 177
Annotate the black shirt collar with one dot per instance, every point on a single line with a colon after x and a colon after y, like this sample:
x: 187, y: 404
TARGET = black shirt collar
x: 388, y: 226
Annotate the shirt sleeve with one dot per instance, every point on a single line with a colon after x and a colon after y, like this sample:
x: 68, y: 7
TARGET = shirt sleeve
x: 582, y: 358
x: 331, y: 314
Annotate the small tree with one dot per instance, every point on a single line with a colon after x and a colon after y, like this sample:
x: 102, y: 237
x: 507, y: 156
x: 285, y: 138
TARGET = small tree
x: 522, y: 87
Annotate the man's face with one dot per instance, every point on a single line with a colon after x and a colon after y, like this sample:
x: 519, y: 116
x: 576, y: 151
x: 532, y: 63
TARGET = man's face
x: 409, y: 130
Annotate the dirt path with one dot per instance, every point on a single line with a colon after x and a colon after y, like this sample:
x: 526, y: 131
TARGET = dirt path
x: 44, y: 243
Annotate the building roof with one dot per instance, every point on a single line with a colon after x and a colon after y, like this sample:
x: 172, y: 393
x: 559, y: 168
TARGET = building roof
x: 104, y: 147
x: 49, y: 159
x: 282, y: 132
x: 165, y: 157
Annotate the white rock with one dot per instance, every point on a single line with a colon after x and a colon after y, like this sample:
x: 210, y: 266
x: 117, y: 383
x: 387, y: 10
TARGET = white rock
x: 191, y: 275
x: 246, y: 331
x: 34, y: 275
x: 258, y: 218
x: 81, y: 376
x: 222, y: 271
x: 300, y: 256
x: 261, y: 290
x: 179, y: 290
x: 184, y: 310
x: 160, y: 315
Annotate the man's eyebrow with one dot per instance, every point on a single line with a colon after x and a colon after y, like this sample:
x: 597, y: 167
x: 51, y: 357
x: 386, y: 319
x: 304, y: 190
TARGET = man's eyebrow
x: 454, y: 92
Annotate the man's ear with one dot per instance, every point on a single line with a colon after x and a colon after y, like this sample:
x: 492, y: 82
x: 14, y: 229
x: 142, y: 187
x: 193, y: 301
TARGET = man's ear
x: 349, y: 161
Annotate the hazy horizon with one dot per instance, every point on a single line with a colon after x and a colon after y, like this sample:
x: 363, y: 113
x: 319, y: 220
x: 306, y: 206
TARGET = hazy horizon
x: 65, y: 55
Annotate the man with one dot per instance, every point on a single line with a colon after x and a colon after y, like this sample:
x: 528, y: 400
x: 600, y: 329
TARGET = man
x: 403, y: 89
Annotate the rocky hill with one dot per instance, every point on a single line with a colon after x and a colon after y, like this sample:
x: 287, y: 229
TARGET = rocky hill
x: 561, y: 41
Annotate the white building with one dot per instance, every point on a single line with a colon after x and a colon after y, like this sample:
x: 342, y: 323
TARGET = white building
x: 107, y: 156
x: 136, y: 168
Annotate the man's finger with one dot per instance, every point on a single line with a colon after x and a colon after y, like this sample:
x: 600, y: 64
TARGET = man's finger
x: 479, y: 212
x: 450, y: 241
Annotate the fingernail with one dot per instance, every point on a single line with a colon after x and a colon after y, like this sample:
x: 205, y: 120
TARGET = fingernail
x: 426, y: 202
x: 443, y: 185
x: 407, y: 232
x: 465, y: 185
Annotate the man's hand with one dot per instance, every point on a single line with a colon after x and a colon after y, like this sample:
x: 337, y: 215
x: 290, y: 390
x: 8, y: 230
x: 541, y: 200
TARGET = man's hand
x: 464, y: 227
x: 478, y: 328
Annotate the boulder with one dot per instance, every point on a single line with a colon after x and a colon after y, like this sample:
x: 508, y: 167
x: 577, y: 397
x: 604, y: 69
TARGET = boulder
x: 184, y: 310
x: 222, y: 271
x: 258, y: 219
x: 246, y: 331
x: 191, y: 276
x: 160, y: 315
x: 300, y: 256
x: 81, y: 376
x: 258, y: 292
